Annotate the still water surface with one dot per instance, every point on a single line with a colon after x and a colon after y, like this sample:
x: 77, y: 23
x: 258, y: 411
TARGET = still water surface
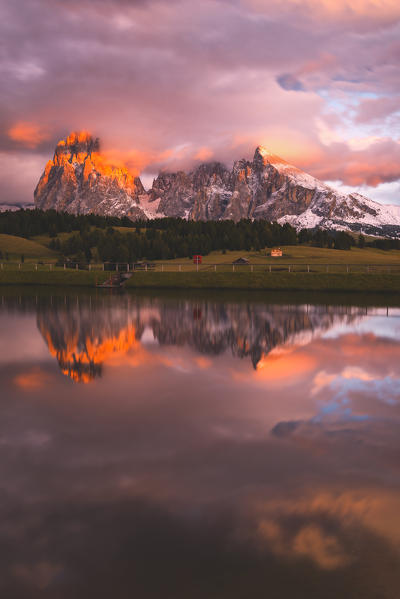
x: 161, y: 447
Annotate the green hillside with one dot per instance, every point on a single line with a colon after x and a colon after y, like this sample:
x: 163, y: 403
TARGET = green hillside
x: 300, y: 254
x: 31, y: 250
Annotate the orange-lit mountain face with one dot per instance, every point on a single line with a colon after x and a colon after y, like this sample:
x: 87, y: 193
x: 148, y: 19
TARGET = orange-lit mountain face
x: 80, y: 179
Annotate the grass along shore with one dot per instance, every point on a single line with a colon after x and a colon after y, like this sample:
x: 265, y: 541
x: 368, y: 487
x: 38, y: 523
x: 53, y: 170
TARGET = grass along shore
x: 57, y: 277
x: 278, y: 281
x: 281, y: 281
x: 370, y: 270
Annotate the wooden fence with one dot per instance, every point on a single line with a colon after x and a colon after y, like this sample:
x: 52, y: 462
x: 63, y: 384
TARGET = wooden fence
x: 206, y: 267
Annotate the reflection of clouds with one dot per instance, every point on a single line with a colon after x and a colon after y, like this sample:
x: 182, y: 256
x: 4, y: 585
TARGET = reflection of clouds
x: 311, y: 541
x: 285, y: 366
x: 166, y: 465
x: 38, y: 575
x: 326, y: 526
x: 33, y: 380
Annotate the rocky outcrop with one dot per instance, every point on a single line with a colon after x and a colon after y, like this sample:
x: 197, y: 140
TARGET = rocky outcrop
x: 268, y: 188
x: 80, y: 180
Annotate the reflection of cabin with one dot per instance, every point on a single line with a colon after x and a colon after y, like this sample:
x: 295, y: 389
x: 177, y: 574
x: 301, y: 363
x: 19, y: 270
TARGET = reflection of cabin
x: 276, y: 252
x: 241, y: 261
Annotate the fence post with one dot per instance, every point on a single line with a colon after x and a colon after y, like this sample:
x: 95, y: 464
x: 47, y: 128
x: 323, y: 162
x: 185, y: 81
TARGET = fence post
x: 76, y: 266
x: 127, y: 267
x: 347, y: 267
x: 289, y: 268
x: 162, y: 267
x: 215, y: 268
x: 308, y: 268
x: 35, y: 266
x: 269, y: 268
x: 233, y: 268
x: 64, y: 266
x: 180, y: 267
x: 103, y: 265
x: 145, y: 266
x: 116, y: 267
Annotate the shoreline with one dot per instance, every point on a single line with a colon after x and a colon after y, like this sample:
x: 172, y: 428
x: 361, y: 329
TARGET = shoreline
x: 355, y: 282
x: 319, y: 282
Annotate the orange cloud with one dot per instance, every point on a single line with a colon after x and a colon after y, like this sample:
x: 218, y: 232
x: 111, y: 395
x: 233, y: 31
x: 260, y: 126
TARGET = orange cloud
x: 204, y: 154
x: 28, y: 134
x: 336, y: 10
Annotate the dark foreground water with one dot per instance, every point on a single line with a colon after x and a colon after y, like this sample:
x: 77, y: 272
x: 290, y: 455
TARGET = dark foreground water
x: 189, y: 448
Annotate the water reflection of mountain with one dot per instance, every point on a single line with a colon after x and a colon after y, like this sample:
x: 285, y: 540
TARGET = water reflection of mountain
x: 82, y: 334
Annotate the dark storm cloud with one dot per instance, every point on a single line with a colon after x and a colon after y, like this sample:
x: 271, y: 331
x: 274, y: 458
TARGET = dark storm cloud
x: 289, y: 82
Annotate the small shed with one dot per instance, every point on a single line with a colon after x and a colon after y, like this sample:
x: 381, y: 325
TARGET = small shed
x: 241, y: 261
x: 276, y: 252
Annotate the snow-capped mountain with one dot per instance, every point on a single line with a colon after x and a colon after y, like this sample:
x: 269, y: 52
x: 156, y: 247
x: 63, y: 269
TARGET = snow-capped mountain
x: 15, y: 207
x: 80, y: 180
x: 270, y: 188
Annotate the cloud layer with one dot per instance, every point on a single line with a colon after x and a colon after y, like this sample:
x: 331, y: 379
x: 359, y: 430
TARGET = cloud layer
x: 169, y: 84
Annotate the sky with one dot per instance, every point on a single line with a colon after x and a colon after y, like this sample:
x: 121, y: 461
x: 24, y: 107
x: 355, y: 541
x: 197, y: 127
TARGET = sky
x: 169, y: 84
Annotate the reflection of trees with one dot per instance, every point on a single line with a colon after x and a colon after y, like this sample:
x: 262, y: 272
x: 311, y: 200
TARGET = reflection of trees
x: 83, y: 333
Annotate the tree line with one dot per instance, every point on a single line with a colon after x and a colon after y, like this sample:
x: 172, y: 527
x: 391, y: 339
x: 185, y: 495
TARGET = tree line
x: 95, y: 238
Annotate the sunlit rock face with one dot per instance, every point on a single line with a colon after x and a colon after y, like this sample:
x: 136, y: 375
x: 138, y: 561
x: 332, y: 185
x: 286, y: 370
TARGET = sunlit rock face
x: 267, y: 187
x: 80, y: 180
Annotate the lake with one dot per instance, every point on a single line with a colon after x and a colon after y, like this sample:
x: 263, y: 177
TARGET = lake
x: 198, y: 446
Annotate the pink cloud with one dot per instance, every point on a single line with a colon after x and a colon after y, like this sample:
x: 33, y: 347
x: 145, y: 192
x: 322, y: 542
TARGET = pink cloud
x: 167, y: 88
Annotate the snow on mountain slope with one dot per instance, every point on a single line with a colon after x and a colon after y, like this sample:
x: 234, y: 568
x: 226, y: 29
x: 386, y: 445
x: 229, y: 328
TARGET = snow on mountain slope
x: 80, y: 180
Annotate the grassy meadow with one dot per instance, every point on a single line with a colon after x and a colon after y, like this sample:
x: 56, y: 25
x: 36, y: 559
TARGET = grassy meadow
x: 32, y: 251
x: 301, y: 267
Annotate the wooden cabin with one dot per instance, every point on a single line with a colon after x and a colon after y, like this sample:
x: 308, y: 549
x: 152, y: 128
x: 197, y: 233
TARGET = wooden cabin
x: 276, y: 252
x: 241, y: 261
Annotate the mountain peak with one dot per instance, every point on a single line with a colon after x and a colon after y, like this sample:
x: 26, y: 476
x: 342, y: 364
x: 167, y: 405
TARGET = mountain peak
x: 81, y: 179
x: 78, y: 145
x: 266, y: 157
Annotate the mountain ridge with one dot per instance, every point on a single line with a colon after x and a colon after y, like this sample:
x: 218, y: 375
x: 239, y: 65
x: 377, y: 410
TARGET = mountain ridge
x: 79, y: 179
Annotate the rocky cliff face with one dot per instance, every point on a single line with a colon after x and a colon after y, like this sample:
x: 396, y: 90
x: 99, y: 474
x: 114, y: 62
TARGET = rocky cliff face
x: 269, y: 188
x: 80, y: 180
